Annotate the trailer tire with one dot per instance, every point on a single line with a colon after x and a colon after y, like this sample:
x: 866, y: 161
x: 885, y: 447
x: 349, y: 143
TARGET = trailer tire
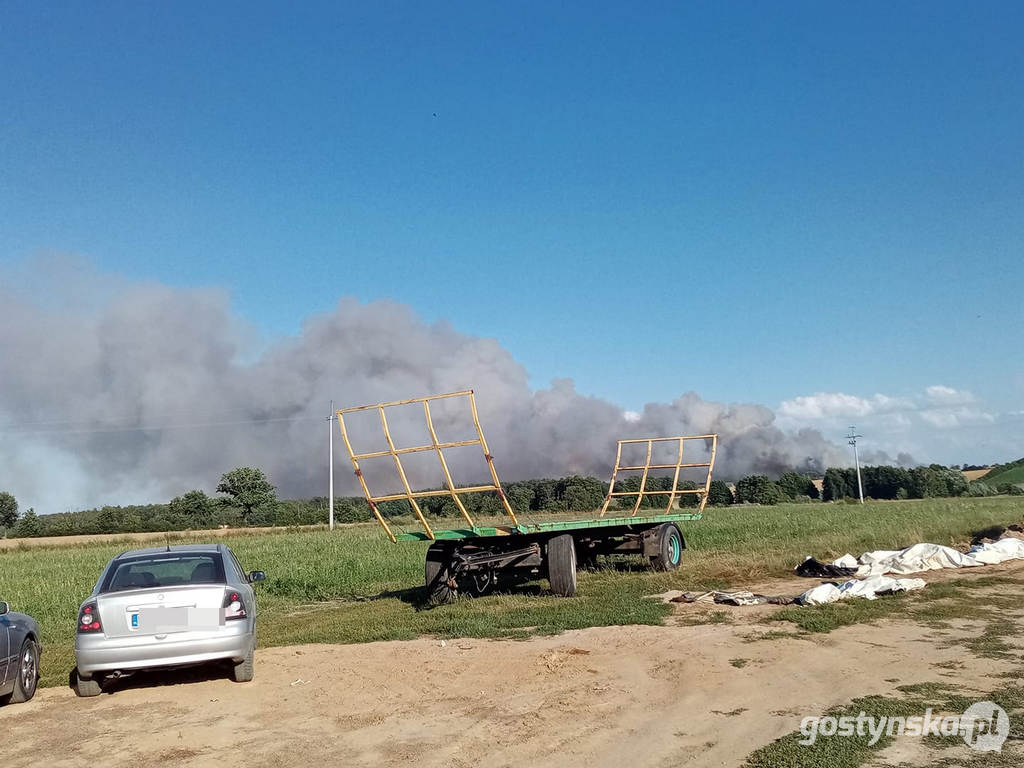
x: 562, y: 565
x: 437, y: 575
x: 670, y: 548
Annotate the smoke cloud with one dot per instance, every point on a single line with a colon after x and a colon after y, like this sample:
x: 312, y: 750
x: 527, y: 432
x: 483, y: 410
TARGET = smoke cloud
x: 149, y: 391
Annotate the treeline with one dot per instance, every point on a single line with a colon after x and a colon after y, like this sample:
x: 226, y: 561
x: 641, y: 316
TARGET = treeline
x: 885, y: 482
x: 249, y: 499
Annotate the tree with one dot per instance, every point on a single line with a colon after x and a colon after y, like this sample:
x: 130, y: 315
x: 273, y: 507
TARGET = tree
x: 29, y: 525
x: 719, y: 495
x: 925, y: 483
x: 885, y: 482
x: 193, y: 508
x: 117, y: 520
x: 794, y: 484
x: 758, y: 489
x: 835, y: 486
x: 954, y: 479
x: 8, y: 510
x: 581, y: 493
x: 249, y: 489
x: 520, y: 497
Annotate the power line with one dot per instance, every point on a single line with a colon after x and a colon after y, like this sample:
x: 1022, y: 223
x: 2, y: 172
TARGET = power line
x: 852, y: 440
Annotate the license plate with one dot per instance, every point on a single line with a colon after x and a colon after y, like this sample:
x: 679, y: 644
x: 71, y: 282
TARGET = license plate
x: 159, y: 620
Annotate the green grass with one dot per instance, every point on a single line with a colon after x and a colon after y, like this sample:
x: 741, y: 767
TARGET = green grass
x: 1013, y: 475
x: 937, y: 604
x: 854, y: 751
x: 353, y: 585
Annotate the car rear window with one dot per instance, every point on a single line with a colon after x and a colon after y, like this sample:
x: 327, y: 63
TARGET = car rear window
x: 166, y: 570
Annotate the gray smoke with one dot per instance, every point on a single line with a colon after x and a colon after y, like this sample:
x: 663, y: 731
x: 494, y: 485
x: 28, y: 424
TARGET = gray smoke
x: 150, y: 391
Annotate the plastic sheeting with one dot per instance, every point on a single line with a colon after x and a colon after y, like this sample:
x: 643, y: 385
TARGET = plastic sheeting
x: 742, y: 597
x: 931, y: 557
x: 868, y: 588
x: 871, y: 579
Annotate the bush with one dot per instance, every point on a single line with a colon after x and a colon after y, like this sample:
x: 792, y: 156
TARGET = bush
x: 978, y: 489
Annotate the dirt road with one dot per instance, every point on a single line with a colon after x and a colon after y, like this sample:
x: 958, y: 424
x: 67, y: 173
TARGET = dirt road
x: 704, y: 695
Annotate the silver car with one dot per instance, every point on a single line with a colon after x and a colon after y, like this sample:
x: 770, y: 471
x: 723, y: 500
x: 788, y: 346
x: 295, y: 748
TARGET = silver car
x: 19, y: 656
x: 166, y: 607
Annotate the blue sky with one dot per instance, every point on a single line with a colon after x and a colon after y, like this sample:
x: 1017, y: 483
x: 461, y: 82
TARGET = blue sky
x: 755, y: 202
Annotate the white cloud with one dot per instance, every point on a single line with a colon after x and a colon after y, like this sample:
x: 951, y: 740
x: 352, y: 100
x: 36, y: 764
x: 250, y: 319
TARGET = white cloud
x: 943, y: 395
x: 949, y: 418
x: 827, y: 405
x: 938, y: 405
x: 937, y: 423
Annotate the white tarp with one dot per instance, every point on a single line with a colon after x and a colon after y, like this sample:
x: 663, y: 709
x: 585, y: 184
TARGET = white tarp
x: 931, y: 557
x: 870, y: 579
x: 868, y: 588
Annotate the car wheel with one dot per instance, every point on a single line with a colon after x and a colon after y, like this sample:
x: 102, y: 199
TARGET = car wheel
x: 27, y: 678
x: 244, y: 670
x: 86, y: 687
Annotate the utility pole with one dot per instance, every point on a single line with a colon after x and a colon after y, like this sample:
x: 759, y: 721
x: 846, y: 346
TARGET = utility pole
x: 330, y: 492
x: 852, y: 438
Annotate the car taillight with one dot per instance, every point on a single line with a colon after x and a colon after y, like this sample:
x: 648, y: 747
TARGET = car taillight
x: 234, y: 608
x: 89, y: 619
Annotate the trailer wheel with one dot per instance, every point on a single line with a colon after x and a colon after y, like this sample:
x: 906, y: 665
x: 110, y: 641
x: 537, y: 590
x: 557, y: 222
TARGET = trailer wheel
x: 670, y: 548
x: 437, y: 575
x: 562, y: 565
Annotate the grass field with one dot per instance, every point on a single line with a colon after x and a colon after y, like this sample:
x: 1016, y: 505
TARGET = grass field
x: 353, y: 585
x: 1013, y: 476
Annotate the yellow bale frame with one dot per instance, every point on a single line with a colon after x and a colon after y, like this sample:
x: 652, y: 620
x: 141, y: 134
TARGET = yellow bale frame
x: 647, y: 466
x: 438, y: 447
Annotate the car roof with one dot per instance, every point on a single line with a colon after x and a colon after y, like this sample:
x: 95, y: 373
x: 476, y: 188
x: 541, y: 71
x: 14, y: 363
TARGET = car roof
x: 172, y: 548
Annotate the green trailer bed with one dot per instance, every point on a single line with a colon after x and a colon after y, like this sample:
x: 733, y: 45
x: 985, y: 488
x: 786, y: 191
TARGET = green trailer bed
x: 561, y: 526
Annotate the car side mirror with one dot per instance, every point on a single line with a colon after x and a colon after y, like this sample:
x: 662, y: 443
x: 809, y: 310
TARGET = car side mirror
x: 4, y: 607
x: 255, y: 576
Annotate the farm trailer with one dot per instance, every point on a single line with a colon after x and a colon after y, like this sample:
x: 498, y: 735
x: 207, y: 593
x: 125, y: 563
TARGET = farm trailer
x: 471, y: 559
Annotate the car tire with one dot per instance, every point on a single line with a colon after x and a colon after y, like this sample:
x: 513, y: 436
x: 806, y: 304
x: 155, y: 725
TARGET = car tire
x: 86, y: 687
x: 243, y: 671
x: 27, y: 676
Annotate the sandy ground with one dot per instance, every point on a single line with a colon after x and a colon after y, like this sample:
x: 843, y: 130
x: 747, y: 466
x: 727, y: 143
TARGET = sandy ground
x: 646, y: 696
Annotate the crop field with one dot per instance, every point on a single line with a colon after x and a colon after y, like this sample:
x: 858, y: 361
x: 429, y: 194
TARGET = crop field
x: 352, y: 585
